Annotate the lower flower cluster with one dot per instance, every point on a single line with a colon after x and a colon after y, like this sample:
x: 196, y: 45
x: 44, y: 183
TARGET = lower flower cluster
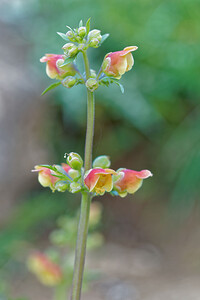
x: 98, y: 180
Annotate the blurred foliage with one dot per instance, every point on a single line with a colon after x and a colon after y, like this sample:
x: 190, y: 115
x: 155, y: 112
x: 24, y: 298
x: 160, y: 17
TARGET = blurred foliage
x: 35, y: 215
x: 61, y: 250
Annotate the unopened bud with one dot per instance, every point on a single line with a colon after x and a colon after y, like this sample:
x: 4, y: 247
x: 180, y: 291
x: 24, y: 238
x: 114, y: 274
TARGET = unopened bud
x: 70, y: 49
x: 62, y: 186
x: 75, y: 161
x: 68, y: 82
x: 94, y: 43
x: 75, y: 187
x: 74, y: 173
x: 82, y: 31
x: 95, y: 34
x: 101, y: 161
x: 92, y: 84
x: 70, y: 36
x: 93, y: 73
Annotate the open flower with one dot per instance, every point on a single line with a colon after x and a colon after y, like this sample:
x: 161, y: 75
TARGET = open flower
x: 45, y: 177
x: 54, y: 68
x: 48, y: 272
x: 129, y: 181
x: 99, y: 180
x: 115, y: 64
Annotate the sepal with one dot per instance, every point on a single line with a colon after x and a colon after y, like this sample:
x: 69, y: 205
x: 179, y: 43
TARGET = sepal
x: 101, y: 161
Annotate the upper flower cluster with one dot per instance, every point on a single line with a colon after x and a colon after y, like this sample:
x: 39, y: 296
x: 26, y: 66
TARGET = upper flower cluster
x: 63, y: 67
x: 98, y: 180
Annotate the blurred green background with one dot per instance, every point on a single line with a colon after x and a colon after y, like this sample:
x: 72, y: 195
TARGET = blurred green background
x: 154, y: 125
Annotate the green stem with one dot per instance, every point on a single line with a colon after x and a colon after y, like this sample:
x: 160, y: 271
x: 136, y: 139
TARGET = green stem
x: 86, y: 196
x: 81, y: 247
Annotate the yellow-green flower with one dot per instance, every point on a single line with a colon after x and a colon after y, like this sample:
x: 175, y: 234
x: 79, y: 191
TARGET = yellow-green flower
x: 115, y: 64
x: 99, y: 180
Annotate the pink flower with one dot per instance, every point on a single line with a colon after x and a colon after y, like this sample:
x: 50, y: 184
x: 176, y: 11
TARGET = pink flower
x: 48, y: 272
x: 66, y: 167
x: 115, y: 64
x: 45, y: 177
x: 99, y: 180
x: 54, y: 68
x: 129, y: 181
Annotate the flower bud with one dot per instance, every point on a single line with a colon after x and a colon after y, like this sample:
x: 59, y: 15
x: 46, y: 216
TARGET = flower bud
x: 75, y: 187
x: 69, y: 82
x: 92, y: 84
x: 82, y: 31
x: 93, y: 73
x: 70, y: 49
x: 94, y: 43
x: 70, y: 36
x: 74, y: 173
x: 102, y: 161
x: 95, y: 34
x: 61, y: 186
x: 75, y: 161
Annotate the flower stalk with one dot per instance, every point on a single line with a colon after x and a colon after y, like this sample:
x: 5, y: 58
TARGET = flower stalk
x: 89, y: 179
x: 86, y: 197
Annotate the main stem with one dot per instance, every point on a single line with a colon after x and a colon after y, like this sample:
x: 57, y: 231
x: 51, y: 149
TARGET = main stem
x: 86, y: 197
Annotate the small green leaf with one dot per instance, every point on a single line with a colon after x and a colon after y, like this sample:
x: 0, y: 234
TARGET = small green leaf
x: 48, y: 167
x: 63, y: 36
x: 59, y: 176
x: 69, y: 28
x: 88, y: 25
x: 67, y: 61
x: 120, y: 86
x: 107, y: 80
x: 104, y: 37
x: 80, y: 23
x: 52, y: 86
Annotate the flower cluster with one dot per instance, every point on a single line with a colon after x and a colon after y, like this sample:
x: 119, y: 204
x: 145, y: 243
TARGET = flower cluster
x: 63, y: 67
x: 98, y: 180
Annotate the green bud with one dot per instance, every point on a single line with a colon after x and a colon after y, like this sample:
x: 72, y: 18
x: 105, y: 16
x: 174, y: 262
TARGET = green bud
x: 93, y: 73
x: 70, y: 49
x: 92, y: 84
x: 101, y: 161
x: 94, y: 43
x: 82, y: 31
x: 71, y: 36
x: 94, y: 34
x: 68, y: 82
x: 74, y: 173
x: 75, y: 161
x: 75, y: 187
x: 61, y: 186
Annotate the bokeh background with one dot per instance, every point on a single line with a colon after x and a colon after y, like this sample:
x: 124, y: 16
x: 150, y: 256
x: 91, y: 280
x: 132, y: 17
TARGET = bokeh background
x: 152, y: 239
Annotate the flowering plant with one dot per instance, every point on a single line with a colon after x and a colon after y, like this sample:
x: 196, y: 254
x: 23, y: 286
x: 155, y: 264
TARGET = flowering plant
x: 78, y: 175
